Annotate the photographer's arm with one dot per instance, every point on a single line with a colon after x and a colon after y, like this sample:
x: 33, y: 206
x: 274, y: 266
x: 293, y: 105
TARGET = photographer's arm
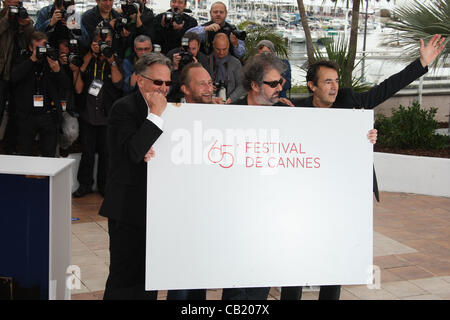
x: 22, y: 68
x: 4, y: 22
x: 239, y: 51
x: 116, y: 74
x: 77, y: 80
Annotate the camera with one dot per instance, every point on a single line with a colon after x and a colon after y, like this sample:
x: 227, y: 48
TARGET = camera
x: 17, y: 11
x: 64, y: 13
x: 46, y: 51
x: 221, y: 90
x: 124, y: 23
x: 173, y: 16
x: 231, y: 29
x: 130, y: 7
x: 186, y: 56
x: 105, y: 49
x: 74, y: 53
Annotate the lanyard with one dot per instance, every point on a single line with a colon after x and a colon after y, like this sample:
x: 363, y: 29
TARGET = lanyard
x: 103, y: 70
x: 38, y: 83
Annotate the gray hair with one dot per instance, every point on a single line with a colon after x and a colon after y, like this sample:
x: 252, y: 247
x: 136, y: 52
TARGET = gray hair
x: 258, y: 66
x: 150, y: 58
x: 142, y: 38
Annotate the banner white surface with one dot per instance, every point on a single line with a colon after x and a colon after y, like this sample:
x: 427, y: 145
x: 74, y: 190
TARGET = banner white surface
x: 247, y: 196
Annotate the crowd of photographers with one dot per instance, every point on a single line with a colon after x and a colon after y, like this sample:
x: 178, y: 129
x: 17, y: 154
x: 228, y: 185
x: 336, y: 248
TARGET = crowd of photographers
x: 61, y: 74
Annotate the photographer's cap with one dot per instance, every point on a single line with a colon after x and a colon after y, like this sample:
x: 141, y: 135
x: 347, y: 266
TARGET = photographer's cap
x: 266, y: 43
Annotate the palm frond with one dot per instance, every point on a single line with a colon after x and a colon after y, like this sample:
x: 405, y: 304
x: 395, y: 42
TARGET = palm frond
x: 416, y: 21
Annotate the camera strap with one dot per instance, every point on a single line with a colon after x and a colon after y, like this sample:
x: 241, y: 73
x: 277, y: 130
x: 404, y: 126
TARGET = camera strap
x: 103, y: 70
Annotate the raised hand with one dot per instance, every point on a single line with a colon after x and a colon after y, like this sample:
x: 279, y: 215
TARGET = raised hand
x: 430, y: 51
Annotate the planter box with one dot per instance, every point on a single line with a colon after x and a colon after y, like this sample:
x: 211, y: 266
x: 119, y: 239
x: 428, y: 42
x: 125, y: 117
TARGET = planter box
x: 411, y: 174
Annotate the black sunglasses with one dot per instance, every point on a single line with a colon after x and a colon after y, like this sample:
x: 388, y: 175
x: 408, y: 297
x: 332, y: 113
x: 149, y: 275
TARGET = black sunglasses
x: 158, y: 82
x: 273, y: 84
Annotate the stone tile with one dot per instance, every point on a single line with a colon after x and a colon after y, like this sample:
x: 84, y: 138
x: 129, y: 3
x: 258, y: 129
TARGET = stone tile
x: 433, y: 285
x: 214, y: 294
x: 390, y: 261
x: 423, y: 297
x: 384, y: 246
x: 310, y: 295
x: 162, y: 294
x: 387, y: 276
x: 411, y: 272
x: 95, y: 284
x: 364, y: 293
x: 347, y: 295
x: 402, y: 289
x: 84, y: 296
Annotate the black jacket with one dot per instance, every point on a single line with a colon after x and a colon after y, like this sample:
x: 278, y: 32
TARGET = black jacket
x: 94, y: 110
x: 130, y: 136
x: 91, y: 18
x: 167, y: 37
x: 347, y: 98
x: 29, y: 78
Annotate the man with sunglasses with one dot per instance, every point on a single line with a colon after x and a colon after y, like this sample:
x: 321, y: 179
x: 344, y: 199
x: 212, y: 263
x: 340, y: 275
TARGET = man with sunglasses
x: 134, y: 124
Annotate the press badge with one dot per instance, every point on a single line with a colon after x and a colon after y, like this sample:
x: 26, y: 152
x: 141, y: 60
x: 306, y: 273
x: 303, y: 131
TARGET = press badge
x: 38, y: 100
x: 95, y: 87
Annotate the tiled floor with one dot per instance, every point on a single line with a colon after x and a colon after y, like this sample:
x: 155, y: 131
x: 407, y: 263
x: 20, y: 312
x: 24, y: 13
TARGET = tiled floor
x: 411, y: 248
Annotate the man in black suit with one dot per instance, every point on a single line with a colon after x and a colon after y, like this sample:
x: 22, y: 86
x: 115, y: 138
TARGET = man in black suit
x: 134, y: 124
x: 323, y: 82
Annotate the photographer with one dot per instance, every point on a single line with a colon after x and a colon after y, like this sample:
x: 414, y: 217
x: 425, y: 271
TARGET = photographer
x: 142, y: 44
x: 208, y: 31
x: 226, y: 70
x: 70, y: 61
x: 171, y: 25
x: 182, y: 56
x: 102, y: 81
x: 36, y: 77
x: 15, y: 30
x: 141, y: 15
x: 91, y: 18
x: 52, y: 20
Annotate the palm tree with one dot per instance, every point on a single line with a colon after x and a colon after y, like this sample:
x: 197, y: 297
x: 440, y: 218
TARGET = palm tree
x: 350, y: 62
x: 256, y: 32
x: 417, y: 21
x: 337, y: 51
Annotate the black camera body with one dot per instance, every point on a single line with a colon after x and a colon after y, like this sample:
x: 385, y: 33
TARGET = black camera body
x: 231, y: 29
x: 186, y: 58
x: 173, y: 16
x: 124, y: 23
x: 74, y: 56
x: 105, y: 49
x: 130, y: 7
x: 46, y: 51
x: 17, y: 12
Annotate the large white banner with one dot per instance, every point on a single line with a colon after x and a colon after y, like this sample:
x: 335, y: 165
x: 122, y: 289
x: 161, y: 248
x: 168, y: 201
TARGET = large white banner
x: 247, y: 196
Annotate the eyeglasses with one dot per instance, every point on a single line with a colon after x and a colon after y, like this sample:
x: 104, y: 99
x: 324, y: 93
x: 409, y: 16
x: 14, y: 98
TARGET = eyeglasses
x: 158, y: 82
x: 273, y: 84
x: 143, y: 49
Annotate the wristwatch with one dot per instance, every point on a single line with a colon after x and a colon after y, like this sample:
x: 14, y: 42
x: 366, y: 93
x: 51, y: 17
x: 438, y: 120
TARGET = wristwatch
x: 114, y: 64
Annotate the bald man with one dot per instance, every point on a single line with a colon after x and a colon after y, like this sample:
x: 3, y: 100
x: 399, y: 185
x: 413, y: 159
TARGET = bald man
x: 226, y: 69
x: 217, y: 24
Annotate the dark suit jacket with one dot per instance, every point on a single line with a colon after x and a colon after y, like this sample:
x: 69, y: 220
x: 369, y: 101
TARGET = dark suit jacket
x: 130, y: 136
x: 348, y: 99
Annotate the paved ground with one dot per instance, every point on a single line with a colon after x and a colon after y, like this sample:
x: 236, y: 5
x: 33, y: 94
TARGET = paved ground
x: 411, y: 248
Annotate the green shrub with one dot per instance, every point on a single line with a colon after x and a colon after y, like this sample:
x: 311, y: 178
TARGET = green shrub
x: 410, y: 128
